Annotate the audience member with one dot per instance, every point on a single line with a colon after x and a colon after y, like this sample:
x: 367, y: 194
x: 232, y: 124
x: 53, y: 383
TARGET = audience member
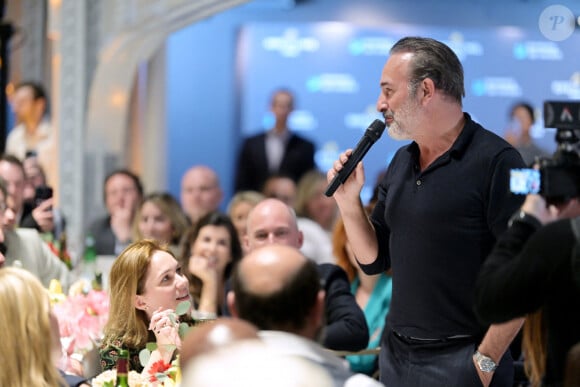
x: 146, y: 286
x: 200, y: 192
x: 278, y: 151
x: 372, y: 294
x: 159, y: 217
x: 24, y: 248
x: 240, y: 206
x: 210, y: 250
x: 27, y: 214
x: 123, y: 192
x: 27, y: 338
x: 433, y: 232
x: 274, y: 222
x: 34, y: 176
x: 281, y: 187
x: 519, y: 134
x: 251, y: 363
x: 532, y: 267
x: 316, y: 243
x: 221, y: 333
x: 277, y: 289
x: 312, y: 203
x: 33, y: 131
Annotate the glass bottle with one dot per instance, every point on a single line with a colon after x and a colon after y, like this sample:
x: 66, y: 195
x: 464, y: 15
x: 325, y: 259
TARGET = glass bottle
x: 122, y: 369
x: 89, y: 261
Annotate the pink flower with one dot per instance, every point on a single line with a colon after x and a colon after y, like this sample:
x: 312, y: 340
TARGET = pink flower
x: 82, y: 319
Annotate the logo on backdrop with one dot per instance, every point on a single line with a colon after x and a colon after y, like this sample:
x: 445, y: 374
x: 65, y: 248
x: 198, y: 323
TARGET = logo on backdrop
x: 464, y: 48
x: 567, y: 88
x: 332, y: 83
x: 290, y: 44
x: 537, y: 51
x: 496, y: 87
x: 557, y: 23
x: 371, y: 46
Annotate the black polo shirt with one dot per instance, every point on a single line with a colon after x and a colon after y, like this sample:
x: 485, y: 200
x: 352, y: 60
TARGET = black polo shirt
x: 435, y: 228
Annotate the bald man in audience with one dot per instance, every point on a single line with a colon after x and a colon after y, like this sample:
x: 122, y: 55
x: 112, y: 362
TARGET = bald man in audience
x: 278, y: 289
x: 200, y: 192
x: 273, y: 222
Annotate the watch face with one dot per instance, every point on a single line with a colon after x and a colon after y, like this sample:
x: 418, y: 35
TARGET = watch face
x: 485, y: 363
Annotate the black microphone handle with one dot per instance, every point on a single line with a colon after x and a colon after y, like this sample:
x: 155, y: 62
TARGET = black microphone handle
x: 357, y: 155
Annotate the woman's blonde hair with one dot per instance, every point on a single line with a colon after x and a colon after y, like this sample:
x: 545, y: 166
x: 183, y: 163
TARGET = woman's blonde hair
x: 126, y: 323
x: 249, y: 196
x: 534, y: 342
x: 168, y: 205
x: 27, y: 340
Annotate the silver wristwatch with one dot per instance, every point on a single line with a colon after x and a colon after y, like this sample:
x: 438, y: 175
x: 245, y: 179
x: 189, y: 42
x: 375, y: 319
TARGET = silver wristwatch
x: 485, y: 363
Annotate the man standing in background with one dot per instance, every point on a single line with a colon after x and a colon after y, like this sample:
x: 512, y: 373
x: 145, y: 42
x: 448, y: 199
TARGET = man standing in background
x: 277, y: 151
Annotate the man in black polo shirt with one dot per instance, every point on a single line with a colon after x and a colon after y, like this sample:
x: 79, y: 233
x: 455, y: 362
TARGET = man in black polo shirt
x: 442, y: 202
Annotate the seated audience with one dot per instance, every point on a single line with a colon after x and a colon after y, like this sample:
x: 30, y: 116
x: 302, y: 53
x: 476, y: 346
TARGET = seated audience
x: 535, y: 265
x: 266, y: 286
x: 159, y: 217
x: 372, y: 294
x: 24, y: 248
x: 28, y: 340
x: 122, y: 193
x: 210, y: 250
x: 280, y: 187
x: 146, y: 286
x: 316, y: 243
x: 239, y: 207
x: 200, y: 192
x: 27, y: 214
x: 273, y: 222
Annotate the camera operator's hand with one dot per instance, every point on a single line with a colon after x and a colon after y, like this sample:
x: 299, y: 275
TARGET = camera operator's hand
x: 43, y: 215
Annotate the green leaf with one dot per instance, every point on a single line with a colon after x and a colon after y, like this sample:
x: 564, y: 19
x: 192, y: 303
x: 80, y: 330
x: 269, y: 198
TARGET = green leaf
x: 161, y: 376
x: 151, y: 346
x: 144, y: 356
x: 109, y: 384
x: 182, y: 308
x: 183, y: 329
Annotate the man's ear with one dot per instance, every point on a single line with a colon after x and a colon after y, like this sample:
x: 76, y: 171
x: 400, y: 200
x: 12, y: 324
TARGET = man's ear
x: 231, y: 299
x: 300, y: 239
x: 140, y: 302
x: 426, y: 89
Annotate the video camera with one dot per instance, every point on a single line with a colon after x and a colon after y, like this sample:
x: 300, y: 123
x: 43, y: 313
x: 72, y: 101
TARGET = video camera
x: 558, y: 178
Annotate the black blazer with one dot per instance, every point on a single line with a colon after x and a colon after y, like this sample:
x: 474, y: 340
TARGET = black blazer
x: 252, y: 167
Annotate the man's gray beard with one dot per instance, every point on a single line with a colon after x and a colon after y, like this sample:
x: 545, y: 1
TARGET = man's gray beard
x: 396, y: 134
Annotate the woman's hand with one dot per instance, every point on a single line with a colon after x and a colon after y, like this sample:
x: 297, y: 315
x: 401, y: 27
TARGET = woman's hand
x: 165, y: 326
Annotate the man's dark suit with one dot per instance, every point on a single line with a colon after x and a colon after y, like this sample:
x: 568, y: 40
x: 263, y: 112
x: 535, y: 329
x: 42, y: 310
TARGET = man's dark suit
x: 252, y: 167
x: 345, y: 326
x: 101, y: 230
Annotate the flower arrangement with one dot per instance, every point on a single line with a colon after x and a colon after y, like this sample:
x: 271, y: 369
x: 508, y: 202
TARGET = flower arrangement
x: 81, y: 316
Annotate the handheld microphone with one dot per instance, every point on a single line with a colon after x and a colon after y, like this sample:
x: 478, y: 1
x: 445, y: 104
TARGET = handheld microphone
x: 372, y: 134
